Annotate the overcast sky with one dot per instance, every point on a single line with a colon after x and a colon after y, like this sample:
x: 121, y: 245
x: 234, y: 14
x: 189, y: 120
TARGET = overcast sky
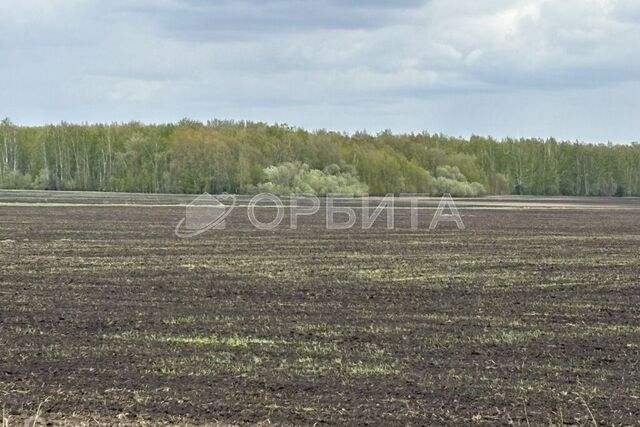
x: 563, y: 68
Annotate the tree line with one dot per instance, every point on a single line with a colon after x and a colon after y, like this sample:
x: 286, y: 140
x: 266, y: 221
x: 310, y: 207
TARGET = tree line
x: 244, y: 157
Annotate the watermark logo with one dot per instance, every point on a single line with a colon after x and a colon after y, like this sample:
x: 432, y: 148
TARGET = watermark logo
x: 446, y: 202
x: 34, y: 421
x: 340, y: 211
x: 205, y: 213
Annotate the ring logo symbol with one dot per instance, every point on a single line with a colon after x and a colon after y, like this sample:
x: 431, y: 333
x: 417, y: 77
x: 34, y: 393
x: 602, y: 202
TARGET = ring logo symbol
x: 205, y: 213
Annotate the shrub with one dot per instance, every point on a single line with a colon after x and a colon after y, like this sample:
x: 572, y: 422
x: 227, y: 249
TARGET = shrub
x: 288, y: 178
x: 450, y: 180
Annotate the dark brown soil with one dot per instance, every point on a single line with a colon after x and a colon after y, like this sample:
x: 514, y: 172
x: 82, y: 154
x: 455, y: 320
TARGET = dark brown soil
x: 529, y: 316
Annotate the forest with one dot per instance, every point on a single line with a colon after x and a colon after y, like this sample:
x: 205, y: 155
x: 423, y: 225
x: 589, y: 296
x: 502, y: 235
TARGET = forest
x: 246, y: 157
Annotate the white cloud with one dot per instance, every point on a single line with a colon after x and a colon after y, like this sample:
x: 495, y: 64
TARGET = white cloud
x: 347, y: 65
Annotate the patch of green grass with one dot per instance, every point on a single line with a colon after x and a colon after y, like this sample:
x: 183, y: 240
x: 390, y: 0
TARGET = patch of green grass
x: 229, y: 341
x: 371, y: 369
x: 321, y: 330
x: 511, y: 337
x: 317, y: 348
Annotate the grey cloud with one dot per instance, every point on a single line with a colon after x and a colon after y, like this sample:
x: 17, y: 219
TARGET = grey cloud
x: 443, y: 65
x: 246, y: 19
